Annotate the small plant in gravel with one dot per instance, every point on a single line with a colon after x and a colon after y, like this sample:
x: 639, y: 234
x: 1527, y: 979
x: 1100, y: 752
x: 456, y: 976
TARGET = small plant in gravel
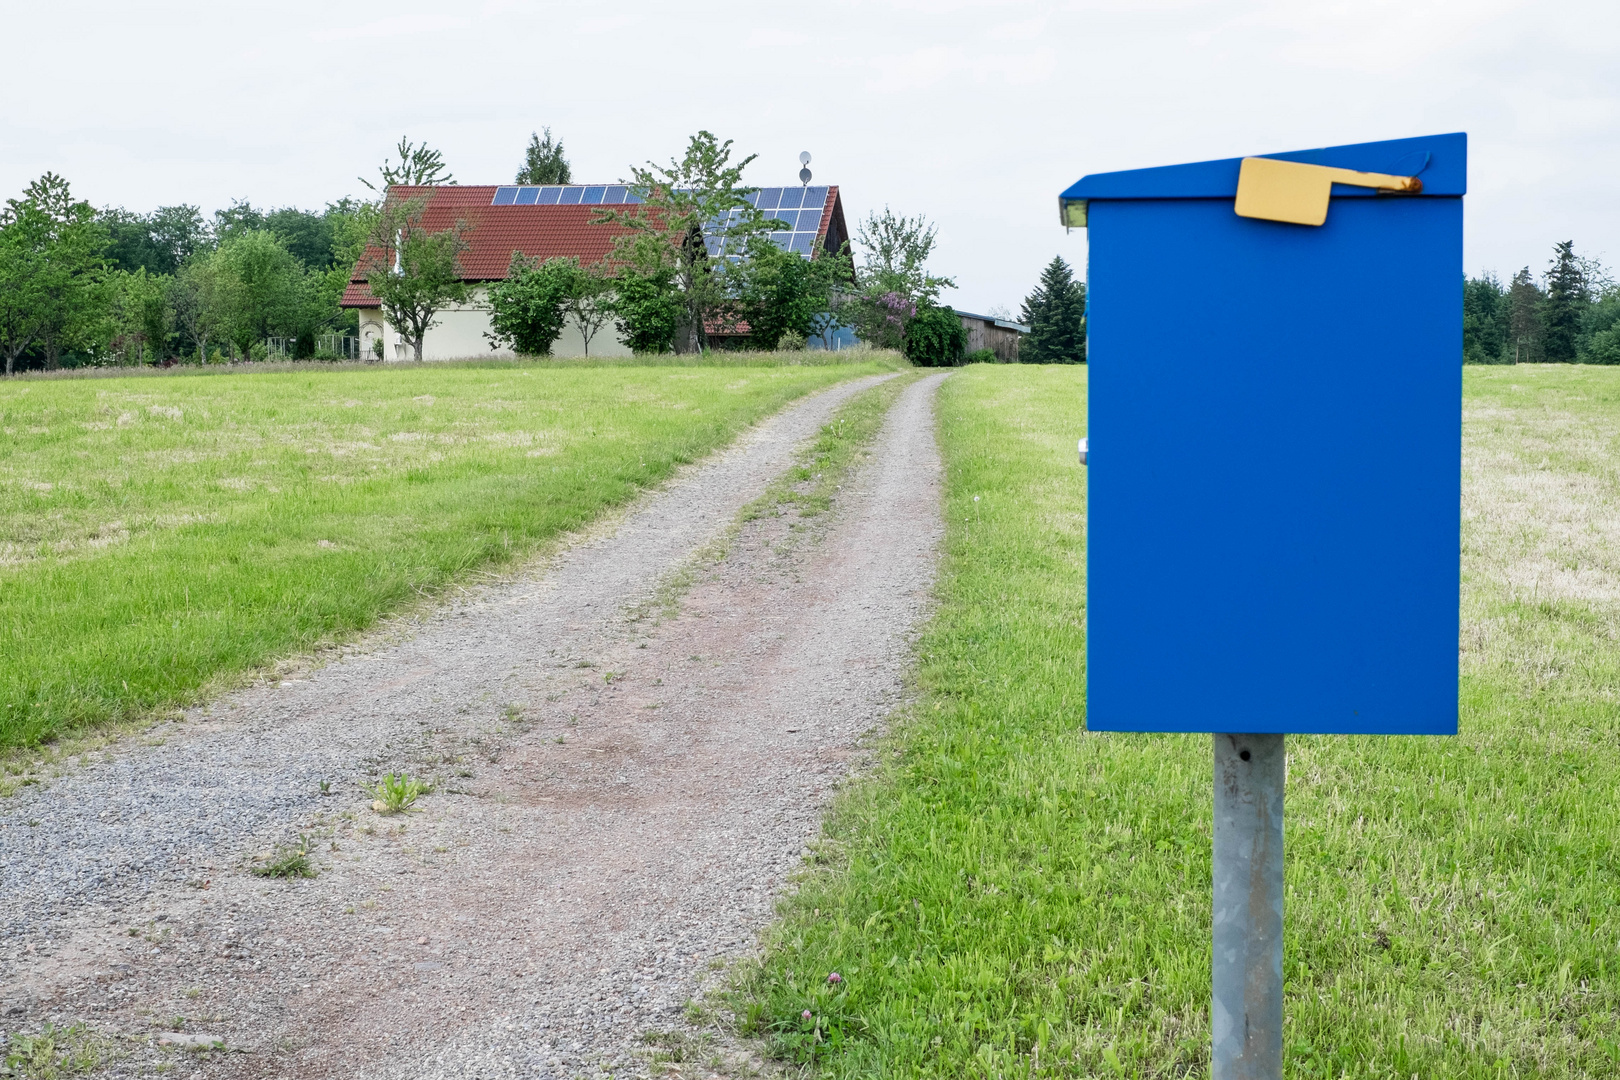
x: 54, y: 1052
x: 395, y: 793
x: 288, y: 861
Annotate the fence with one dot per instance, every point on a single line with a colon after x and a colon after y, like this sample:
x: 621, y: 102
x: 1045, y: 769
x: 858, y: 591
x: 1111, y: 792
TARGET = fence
x: 327, y: 347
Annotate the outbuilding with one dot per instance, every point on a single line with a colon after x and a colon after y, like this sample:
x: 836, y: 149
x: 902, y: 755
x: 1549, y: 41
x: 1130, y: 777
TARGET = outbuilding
x: 1000, y: 336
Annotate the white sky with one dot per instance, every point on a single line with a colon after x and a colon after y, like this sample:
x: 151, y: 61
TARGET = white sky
x: 976, y: 114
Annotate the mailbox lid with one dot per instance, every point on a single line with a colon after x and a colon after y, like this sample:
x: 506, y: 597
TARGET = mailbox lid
x: 1440, y: 161
x: 1274, y: 466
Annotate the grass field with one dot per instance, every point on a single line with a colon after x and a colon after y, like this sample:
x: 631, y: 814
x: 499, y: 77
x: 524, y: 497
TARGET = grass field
x: 162, y: 535
x: 1007, y: 896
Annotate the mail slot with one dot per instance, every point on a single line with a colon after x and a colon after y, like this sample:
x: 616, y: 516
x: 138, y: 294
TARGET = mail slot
x: 1275, y: 373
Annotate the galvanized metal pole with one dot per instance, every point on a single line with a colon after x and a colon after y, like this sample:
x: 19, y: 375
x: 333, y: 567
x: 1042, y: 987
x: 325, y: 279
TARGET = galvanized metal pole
x: 1246, y: 1011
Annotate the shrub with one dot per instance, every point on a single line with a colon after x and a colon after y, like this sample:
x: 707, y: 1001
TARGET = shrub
x: 935, y: 338
x: 648, y: 308
x: 980, y: 356
x: 528, y: 309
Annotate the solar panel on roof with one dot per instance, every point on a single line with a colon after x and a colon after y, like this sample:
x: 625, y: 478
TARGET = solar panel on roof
x: 803, y: 242
x: 752, y: 198
x: 570, y: 196
x: 792, y: 198
x: 615, y: 194
x: 504, y: 196
x: 815, y: 196
x: 810, y: 220
x: 548, y: 195
x: 769, y: 198
x: 593, y: 195
x: 525, y: 196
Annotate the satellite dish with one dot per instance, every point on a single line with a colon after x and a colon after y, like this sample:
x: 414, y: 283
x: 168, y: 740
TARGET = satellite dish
x: 804, y: 176
x: 804, y: 158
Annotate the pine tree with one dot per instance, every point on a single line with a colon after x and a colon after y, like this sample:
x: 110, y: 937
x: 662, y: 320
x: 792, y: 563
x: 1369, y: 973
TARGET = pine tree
x: 543, y: 162
x: 1056, y: 315
x: 1567, y: 300
x: 1524, y: 319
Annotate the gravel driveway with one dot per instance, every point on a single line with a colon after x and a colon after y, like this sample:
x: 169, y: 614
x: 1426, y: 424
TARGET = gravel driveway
x: 620, y: 800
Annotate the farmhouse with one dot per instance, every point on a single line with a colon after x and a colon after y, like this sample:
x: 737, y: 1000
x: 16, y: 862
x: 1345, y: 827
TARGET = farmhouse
x: 549, y: 222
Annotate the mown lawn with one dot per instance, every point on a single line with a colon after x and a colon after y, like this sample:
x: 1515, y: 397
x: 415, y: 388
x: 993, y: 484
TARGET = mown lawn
x: 1007, y: 895
x: 159, y: 535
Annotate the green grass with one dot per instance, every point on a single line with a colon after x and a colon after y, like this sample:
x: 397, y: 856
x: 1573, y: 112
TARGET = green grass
x: 160, y: 536
x: 1006, y: 895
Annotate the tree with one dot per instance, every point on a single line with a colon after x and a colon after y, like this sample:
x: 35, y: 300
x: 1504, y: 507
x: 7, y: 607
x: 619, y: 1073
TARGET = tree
x: 1524, y: 318
x: 159, y: 242
x: 529, y: 310
x: 936, y: 338
x: 1056, y: 314
x: 543, y: 162
x: 22, y: 304
x: 591, y: 303
x: 52, y: 272
x: 691, y: 211
x: 1485, y: 319
x: 142, y: 318
x: 194, y: 297
x: 1566, y: 298
x: 261, y: 287
x: 413, y: 272
x: 1600, y: 330
x: 894, y: 284
x: 418, y: 167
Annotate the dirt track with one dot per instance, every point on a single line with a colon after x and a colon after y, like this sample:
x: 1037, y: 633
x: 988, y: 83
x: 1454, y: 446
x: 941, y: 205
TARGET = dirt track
x: 622, y: 801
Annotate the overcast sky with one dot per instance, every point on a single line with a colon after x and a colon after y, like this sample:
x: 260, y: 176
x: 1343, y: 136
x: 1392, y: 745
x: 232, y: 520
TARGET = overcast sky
x: 975, y: 114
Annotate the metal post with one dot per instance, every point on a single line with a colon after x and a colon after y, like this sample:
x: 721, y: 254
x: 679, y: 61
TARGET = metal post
x: 1246, y: 1010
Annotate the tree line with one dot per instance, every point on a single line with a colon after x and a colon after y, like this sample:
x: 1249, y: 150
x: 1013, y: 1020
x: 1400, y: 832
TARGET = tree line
x: 81, y: 286
x: 1571, y: 315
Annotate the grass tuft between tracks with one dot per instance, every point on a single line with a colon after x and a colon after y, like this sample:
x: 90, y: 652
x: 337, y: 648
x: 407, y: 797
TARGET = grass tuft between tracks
x: 1005, y: 895
x: 160, y: 536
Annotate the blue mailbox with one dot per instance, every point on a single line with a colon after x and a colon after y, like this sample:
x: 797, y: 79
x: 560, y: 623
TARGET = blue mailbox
x: 1274, y: 443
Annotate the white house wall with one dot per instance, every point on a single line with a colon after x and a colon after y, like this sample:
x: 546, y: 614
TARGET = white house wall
x: 458, y: 334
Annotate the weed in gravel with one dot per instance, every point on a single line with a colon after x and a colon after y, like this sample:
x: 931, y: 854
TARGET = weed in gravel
x: 287, y: 861
x: 676, y: 1047
x: 55, y: 1052
x: 326, y: 787
x: 395, y: 793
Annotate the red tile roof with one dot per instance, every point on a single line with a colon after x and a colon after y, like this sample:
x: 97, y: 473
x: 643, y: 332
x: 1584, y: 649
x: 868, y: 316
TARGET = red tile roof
x: 544, y: 232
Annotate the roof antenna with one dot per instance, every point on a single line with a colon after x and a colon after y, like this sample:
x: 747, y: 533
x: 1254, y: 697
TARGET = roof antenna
x: 804, y: 173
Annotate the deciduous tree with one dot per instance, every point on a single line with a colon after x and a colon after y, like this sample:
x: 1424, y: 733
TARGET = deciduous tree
x: 194, y: 297
x: 414, y: 272
x: 52, y: 272
x: 893, y: 279
x: 691, y: 211
x: 418, y: 166
x: 261, y: 287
